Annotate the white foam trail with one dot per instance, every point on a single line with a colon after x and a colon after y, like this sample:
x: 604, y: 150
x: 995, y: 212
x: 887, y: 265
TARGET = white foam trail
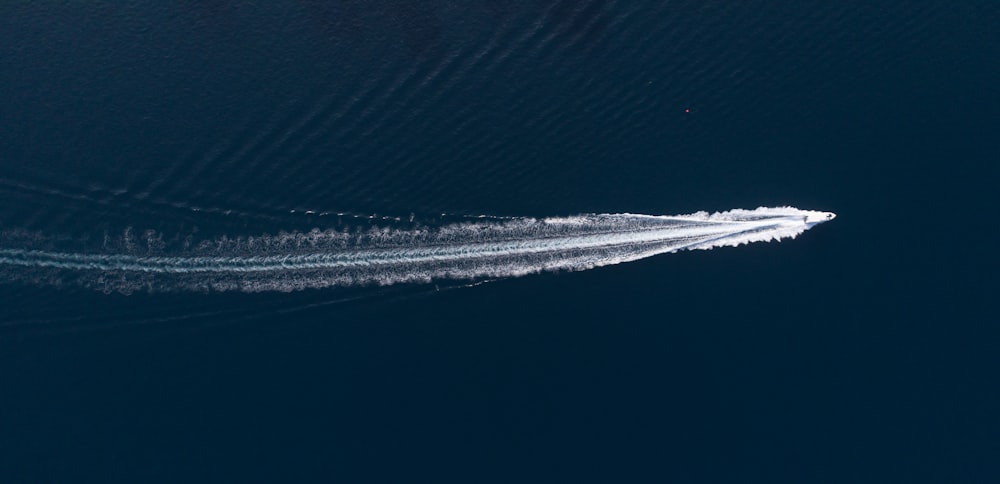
x: 460, y: 251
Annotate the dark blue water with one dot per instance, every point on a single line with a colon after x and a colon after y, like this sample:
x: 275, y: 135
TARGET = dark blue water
x: 864, y: 351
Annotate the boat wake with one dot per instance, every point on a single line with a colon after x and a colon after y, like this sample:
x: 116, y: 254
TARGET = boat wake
x: 383, y: 256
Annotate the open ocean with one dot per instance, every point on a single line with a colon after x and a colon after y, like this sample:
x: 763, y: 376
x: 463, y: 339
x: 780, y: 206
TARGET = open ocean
x: 865, y: 350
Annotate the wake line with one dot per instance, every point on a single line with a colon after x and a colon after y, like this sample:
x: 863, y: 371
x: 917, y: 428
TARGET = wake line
x: 458, y: 251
